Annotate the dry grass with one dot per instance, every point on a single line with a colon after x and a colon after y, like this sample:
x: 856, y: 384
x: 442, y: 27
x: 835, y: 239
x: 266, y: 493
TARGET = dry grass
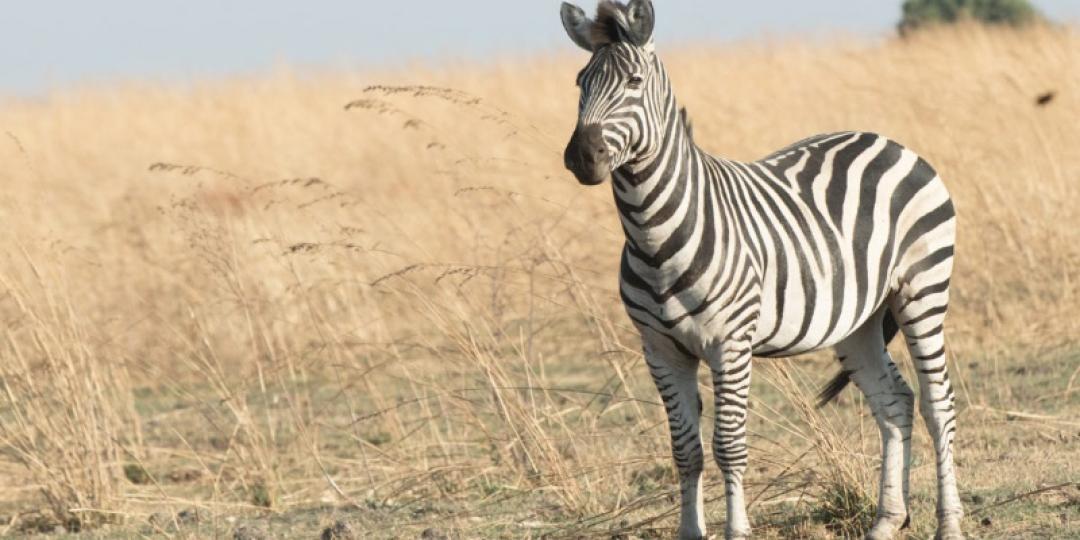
x: 307, y: 297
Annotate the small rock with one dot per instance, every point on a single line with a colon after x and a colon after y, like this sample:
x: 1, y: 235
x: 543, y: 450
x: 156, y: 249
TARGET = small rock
x: 220, y: 443
x: 340, y: 530
x: 432, y: 533
x: 421, y: 510
x: 184, y: 475
x: 190, y: 516
x: 136, y: 474
x: 159, y: 520
x: 249, y: 532
x: 986, y: 521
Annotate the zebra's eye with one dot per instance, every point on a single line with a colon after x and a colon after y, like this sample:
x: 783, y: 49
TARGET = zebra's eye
x: 636, y: 81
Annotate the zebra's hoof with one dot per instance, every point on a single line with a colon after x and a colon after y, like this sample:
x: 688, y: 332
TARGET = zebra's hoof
x: 880, y: 534
x: 951, y: 533
x: 691, y: 535
x: 737, y: 535
x: 949, y: 527
x: 886, y: 528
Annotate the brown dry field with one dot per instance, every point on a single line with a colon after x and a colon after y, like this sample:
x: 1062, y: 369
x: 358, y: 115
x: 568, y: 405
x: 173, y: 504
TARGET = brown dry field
x: 272, y: 304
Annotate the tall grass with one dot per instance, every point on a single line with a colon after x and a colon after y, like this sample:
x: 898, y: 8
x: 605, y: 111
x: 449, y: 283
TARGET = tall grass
x: 381, y: 291
x: 67, y: 410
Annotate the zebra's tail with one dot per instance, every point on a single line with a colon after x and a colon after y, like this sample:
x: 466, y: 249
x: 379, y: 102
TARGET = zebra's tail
x: 889, y: 328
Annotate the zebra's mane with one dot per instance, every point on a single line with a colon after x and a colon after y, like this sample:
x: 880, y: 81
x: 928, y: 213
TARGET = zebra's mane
x: 684, y: 117
x: 615, y: 23
x: 610, y: 20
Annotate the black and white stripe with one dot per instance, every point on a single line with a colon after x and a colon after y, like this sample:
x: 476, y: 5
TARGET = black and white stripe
x: 837, y: 241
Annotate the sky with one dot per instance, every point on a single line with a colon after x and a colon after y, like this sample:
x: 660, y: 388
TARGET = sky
x: 52, y: 44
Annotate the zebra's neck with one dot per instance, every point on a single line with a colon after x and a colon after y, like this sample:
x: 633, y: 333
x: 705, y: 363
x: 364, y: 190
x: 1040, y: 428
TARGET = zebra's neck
x: 655, y: 194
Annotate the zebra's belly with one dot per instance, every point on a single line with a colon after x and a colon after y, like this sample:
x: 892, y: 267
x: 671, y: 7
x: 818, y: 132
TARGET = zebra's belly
x: 801, y: 314
x: 815, y: 339
x: 797, y: 326
x: 798, y: 306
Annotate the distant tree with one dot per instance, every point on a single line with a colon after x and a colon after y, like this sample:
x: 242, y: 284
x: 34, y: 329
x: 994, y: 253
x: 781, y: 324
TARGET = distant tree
x: 918, y: 13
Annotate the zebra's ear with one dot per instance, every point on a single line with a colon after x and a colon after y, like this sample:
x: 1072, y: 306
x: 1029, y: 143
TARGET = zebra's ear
x: 578, y: 26
x: 641, y: 20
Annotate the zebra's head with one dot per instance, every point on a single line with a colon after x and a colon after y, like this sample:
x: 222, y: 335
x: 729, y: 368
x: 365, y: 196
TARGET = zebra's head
x: 622, y: 89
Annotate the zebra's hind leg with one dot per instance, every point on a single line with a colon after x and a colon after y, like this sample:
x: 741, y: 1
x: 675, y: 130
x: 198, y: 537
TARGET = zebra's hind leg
x: 867, y: 362
x: 920, y: 310
x: 676, y: 380
x: 731, y: 366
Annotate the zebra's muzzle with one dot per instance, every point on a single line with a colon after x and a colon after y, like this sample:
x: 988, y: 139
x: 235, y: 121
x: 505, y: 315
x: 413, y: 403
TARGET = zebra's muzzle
x: 587, y: 155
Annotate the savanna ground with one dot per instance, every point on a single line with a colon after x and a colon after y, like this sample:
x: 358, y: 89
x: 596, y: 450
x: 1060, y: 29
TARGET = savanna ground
x: 269, y: 305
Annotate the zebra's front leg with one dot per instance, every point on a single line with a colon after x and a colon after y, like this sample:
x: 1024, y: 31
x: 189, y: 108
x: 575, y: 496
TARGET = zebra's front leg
x: 731, y: 365
x: 676, y: 380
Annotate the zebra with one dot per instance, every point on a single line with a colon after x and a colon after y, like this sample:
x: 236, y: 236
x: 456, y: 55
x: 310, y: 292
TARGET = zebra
x: 841, y: 240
